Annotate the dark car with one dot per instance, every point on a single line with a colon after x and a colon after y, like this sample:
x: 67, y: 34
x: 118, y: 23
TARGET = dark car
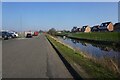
x: 10, y: 35
x: 29, y: 35
x: 5, y: 35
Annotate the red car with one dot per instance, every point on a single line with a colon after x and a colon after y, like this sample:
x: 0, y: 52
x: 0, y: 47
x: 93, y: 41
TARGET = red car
x: 36, y: 33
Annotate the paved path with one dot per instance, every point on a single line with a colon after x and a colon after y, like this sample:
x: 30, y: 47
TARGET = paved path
x: 31, y: 58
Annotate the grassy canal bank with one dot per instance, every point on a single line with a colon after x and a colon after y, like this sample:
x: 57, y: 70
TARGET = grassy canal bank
x: 84, y: 66
x: 97, y: 36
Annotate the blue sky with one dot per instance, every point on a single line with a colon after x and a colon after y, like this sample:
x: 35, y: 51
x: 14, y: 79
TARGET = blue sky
x: 60, y: 15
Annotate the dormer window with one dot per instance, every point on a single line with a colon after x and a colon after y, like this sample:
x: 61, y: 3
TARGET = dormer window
x: 105, y: 24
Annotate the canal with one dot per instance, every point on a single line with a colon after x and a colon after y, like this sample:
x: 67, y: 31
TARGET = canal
x: 104, y: 53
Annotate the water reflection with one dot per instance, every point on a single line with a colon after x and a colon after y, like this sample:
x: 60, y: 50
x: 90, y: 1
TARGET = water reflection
x: 77, y: 41
x: 101, y: 46
x: 74, y: 41
x: 101, y: 52
x: 96, y: 50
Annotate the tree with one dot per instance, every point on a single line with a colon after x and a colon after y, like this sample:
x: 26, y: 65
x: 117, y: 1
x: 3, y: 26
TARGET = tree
x: 52, y: 31
x: 40, y: 31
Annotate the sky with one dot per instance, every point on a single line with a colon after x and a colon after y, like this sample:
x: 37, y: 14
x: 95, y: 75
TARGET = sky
x: 24, y: 16
x: 0, y: 15
x: 60, y: 0
x: 119, y: 11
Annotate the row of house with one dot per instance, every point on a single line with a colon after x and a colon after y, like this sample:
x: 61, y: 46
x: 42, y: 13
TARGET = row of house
x: 104, y: 27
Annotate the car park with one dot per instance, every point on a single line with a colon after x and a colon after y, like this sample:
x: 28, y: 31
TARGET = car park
x: 6, y: 35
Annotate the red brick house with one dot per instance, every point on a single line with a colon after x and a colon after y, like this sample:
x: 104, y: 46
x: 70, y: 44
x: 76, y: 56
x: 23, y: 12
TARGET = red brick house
x: 95, y: 28
x: 86, y: 29
x: 107, y: 26
x: 74, y: 29
x: 78, y: 29
x: 117, y: 27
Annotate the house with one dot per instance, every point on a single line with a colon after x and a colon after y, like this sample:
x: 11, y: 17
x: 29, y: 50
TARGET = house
x: 86, y: 29
x: 74, y: 29
x: 107, y: 26
x: 95, y: 28
x: 78, y: 29
x: 117, y: 27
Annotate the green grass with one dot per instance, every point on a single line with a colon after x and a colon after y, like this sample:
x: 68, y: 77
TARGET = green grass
x: 101, y: 36
x: 93, y: 69
x: 62, y: 34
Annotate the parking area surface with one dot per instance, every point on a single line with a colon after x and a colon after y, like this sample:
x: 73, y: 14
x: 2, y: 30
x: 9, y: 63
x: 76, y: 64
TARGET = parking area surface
x: 0, y: 58
x: 31, y: 58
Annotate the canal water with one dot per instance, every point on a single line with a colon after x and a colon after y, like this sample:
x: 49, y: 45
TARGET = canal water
x: 98, y: 51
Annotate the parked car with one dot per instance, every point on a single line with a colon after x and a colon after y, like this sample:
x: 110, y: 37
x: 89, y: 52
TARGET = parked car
x: 5, y: 35
x: 11, y: 35
x: 36, y: 33
x: 29, y: 35
x: 14, y: 34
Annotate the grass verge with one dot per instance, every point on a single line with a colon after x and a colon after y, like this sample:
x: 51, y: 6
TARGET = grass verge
x: 94, y: 70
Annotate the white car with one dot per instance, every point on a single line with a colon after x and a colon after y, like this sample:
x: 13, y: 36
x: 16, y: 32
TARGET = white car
x: 15, y: 34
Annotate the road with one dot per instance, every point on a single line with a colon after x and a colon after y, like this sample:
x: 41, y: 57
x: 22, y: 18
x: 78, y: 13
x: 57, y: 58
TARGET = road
x: 31, y: 58
x: 0, y: 58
